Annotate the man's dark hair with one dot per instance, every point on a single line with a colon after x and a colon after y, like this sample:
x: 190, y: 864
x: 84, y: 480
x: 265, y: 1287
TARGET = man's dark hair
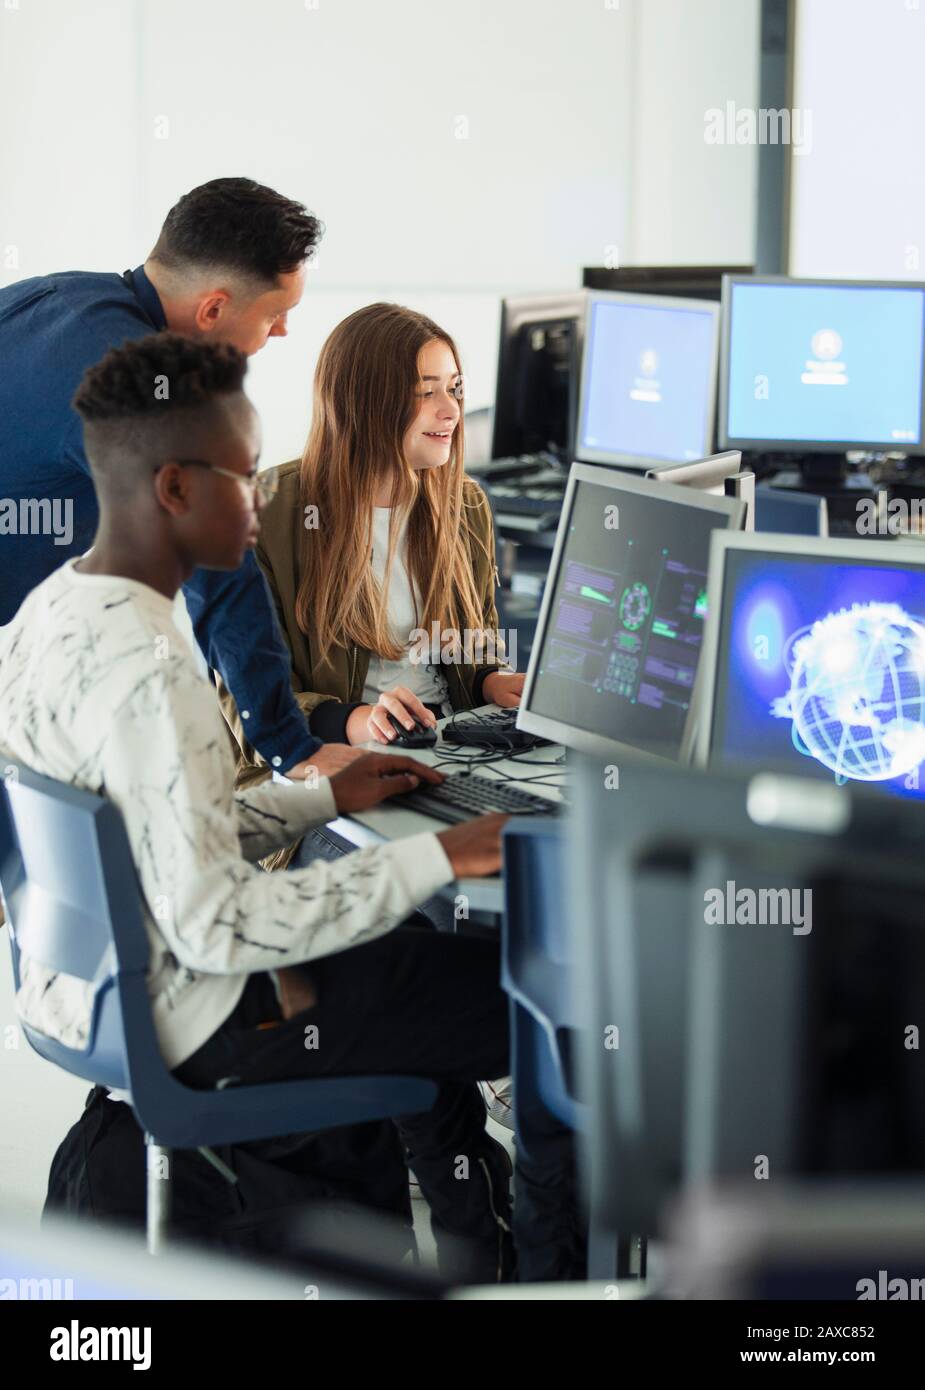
x: 157, y: 375
x: 239, y: 225
x: 154, y: 398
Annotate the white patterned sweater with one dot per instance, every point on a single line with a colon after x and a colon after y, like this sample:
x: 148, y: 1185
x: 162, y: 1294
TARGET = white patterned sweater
x: 99, y: 689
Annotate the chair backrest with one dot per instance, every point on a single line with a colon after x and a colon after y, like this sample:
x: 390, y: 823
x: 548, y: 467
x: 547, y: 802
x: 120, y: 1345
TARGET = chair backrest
x: 73, y: 905
x: 536, y: 961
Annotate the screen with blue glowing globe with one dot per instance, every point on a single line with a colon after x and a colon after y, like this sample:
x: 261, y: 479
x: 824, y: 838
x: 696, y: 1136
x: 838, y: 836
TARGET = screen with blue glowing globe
x: 822, y: 669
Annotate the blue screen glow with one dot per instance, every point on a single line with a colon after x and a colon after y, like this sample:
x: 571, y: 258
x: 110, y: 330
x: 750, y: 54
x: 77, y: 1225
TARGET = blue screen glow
x: 822, y: 670
x: 825, y: 364
x: 650, y: 375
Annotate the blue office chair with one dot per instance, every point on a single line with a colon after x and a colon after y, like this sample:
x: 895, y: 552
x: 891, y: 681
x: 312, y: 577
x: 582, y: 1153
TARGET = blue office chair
x: 73, y: 904
x: 536, y: 974
x: 535, y: 957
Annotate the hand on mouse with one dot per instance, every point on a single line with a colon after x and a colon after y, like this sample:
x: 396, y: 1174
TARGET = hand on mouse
x: 371, y: 722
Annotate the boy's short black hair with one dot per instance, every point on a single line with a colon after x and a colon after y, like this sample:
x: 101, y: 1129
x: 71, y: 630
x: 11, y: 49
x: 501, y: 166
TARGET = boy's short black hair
x: 157, y: 375
x: 152, y: 399
x: 239, y: 225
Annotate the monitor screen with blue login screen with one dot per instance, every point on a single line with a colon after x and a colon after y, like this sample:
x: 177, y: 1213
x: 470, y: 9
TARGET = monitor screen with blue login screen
x: 819, y: 364
x: 648, y: 379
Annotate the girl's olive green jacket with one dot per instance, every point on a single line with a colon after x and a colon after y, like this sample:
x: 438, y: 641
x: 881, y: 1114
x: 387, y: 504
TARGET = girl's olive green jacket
x: 329, y: 685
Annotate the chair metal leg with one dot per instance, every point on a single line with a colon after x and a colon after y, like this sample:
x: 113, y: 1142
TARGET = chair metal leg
x: 220, y: 1167
x: 158, y: 1160
x: 624, y: 1257
x: 612, y: 1256
x: 602, y: 1253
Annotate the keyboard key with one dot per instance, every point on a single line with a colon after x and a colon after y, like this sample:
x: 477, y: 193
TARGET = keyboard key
x: 462, y: 797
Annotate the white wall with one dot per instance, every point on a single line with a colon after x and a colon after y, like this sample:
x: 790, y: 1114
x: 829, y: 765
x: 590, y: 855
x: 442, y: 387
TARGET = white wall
x: 858, y: 197
x: 453, y: 151
x: 692, y: 203
x: 69, y: 190
x: 582, y: 125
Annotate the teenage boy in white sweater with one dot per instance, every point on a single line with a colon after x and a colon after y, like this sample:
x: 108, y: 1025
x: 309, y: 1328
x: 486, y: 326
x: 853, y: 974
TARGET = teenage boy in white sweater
x: 99, y: 689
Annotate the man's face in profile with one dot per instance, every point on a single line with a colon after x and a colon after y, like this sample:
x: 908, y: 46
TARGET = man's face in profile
x: 248, y: 324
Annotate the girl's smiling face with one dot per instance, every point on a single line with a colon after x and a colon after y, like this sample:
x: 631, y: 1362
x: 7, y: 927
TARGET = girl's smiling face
x: 438, y: 399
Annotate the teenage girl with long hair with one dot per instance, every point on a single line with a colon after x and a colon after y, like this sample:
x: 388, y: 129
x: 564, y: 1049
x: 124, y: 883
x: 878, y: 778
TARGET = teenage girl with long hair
x: 379, y: 553
x: 378, y: 550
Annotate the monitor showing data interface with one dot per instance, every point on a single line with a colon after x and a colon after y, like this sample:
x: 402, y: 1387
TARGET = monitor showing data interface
x: 619, y: 635
x: 816, y: 661
x: 648, y: 380
x: 821, y: 365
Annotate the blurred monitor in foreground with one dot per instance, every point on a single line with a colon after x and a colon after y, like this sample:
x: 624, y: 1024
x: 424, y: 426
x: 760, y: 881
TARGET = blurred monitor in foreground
x: 750, y: 951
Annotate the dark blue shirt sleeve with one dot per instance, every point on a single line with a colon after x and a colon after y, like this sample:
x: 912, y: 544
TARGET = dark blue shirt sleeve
x: 51, y: 329
x: 238, y: 631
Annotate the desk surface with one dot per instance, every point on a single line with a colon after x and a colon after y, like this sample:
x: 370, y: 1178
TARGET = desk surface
x: 390, y: 822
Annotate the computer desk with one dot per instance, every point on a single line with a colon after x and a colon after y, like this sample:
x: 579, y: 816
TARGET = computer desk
x: 391, y: 822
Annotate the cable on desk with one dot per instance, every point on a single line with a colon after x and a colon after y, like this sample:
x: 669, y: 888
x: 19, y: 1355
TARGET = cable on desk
x: 544, y: 779
x: 499, y: 756
x: 468, y: 757
x: 471, y: 758
x: 507, y: 750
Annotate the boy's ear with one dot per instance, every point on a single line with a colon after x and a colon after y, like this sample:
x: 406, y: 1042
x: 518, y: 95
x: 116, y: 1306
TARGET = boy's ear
x: 172, y: 488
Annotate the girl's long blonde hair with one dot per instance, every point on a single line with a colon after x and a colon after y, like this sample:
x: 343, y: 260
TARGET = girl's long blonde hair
x: 364, y: 403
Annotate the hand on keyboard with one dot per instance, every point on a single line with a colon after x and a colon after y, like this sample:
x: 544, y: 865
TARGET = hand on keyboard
x: 375, y: 776
x: 474, y: 848
x: 504, y: 688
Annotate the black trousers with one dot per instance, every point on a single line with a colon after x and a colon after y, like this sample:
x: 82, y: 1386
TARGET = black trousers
x: 420, y: 1002
x: 414, y: 1002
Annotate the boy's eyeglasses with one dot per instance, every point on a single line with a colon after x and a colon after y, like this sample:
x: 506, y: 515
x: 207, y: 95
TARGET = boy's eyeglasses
x: 264, y: 484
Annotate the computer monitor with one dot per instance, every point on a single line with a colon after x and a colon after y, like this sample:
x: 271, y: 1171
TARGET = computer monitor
x: 734, y: 1025
x: 789, y: 513
x: 821, y: 366
x: 814, y: 660
x: 617, y: 644
x: 799, y: 1059
x: 539, y: 352
x: 721, y: 475
x: 648, y: 380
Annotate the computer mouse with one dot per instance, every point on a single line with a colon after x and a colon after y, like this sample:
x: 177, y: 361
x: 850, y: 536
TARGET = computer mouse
x: 421, y: 736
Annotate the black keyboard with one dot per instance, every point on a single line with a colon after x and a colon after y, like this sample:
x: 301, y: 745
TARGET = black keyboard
x: 535, y: 499
x: 846, y: 528
x: 520, y: 466
x: 495, y: 730
x: 462, y: 796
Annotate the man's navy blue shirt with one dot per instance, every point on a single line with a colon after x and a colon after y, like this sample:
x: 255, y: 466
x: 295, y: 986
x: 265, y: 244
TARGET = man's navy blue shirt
x: 52, y: 328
